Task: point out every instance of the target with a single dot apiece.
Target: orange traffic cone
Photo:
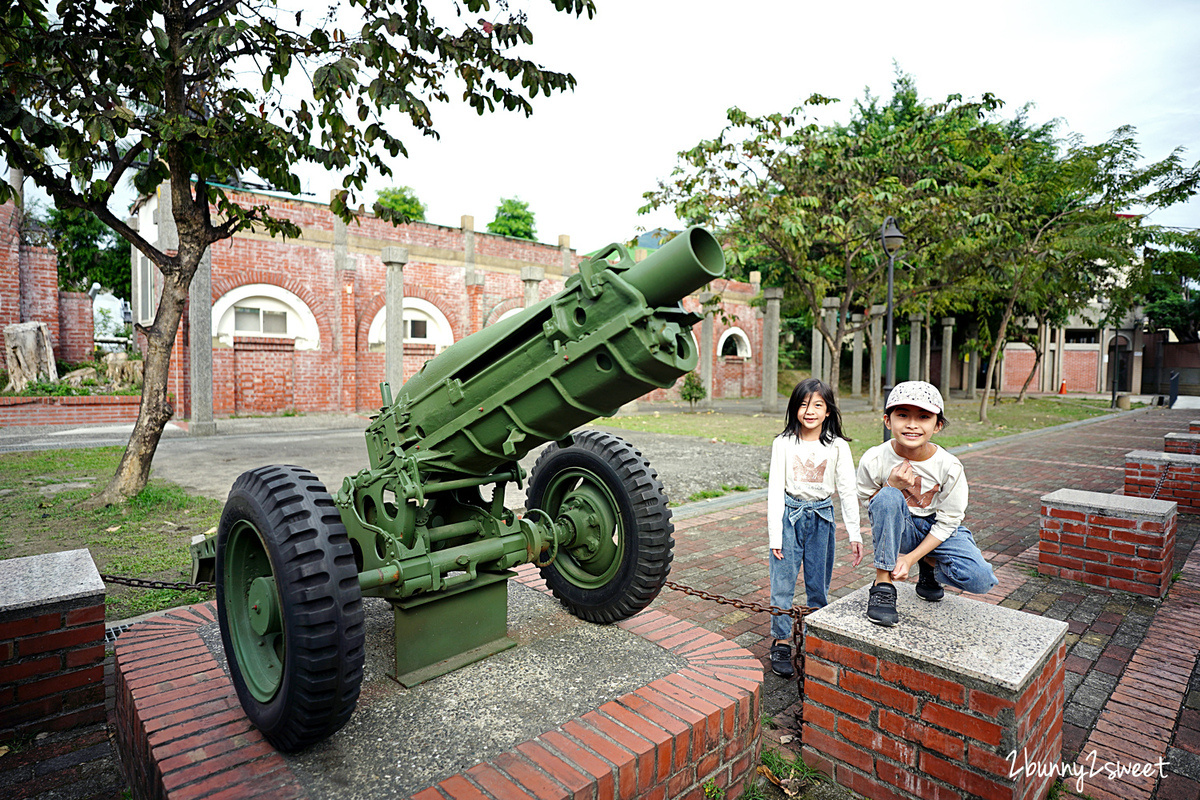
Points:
(1063, 389)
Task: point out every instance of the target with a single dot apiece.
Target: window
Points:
(250, 319)
(734, 344)
(424, 323)
(264, 310)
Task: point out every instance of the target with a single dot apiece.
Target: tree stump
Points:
(29, 354)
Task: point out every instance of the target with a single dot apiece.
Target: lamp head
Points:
(891, 236)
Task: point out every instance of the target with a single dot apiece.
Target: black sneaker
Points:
(927, 586)
(781, 660)
(881, 606)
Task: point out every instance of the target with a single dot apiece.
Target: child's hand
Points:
(902, 567)
(777, 552)
(856, 551)
(902, 476)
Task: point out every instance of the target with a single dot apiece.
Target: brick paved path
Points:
(1114, 690)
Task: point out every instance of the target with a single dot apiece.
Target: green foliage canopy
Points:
(403, 201)
(210, 94)
(88, 251)
(513, 218)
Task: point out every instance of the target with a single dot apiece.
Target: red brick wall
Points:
(52, 667)
(1126, 550)
(77, 327)
(329, 379)
(39, 288)
(891, 730)
(68, 410)
(1017, 363)
(10, 266)
(1080, 369)
(1144, 476)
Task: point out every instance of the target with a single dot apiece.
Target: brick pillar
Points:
(200, 375)
(564, 246)
(347, 331)
(770, 349)
(470, 306)
(706, 353)
(877, 365)
(947, 355)
(394, 259)
(51, 644)
(914, 346)
(532, 277)
(856, 350)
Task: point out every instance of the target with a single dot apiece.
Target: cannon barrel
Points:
(615, 332)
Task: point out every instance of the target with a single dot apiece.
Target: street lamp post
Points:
(892, 239)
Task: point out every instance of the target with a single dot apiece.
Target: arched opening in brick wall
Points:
(267, 311)
(424, 324)
(734, 343)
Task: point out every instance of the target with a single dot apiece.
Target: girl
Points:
(916, 497)
(809, 460)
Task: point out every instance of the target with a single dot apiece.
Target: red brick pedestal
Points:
(1110, 540)
(1165, 476)
(51, 644)
(183, 734)
(937, 707)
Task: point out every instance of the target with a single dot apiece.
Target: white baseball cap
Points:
(915, 393)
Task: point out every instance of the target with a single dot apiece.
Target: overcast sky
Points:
(656, 77)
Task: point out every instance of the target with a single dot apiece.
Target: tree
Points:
(513, 218)
(403, 201)
(692, 389)
(88, 252)
(1058, 218)
(804, 203)
(158, 89)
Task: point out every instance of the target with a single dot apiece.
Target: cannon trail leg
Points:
(289, 605)
(621, 553)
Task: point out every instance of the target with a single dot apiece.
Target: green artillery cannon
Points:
(292, 563)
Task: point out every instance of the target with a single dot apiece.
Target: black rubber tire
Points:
(645, 526)
(320, 602)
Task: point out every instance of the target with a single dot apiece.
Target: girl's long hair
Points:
(832, 428)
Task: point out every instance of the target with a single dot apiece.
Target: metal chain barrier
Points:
(797, 613)
(1167, 471)
(143, 583)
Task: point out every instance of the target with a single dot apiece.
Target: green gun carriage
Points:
(292, 562)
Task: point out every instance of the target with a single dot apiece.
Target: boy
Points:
(916, 497)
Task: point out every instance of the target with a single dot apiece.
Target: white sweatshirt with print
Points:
(941, 487)
(810, 471)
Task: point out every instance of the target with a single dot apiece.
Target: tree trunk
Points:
(29, 354)
(156, 408)
(1037, 359)
(995, 354)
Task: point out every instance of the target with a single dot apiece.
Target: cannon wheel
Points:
(289, 606)
(628, 562)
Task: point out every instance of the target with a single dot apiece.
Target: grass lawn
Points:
(865, 428)
(146, 538)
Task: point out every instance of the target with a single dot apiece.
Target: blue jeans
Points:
(808, 539)
(894, 530)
